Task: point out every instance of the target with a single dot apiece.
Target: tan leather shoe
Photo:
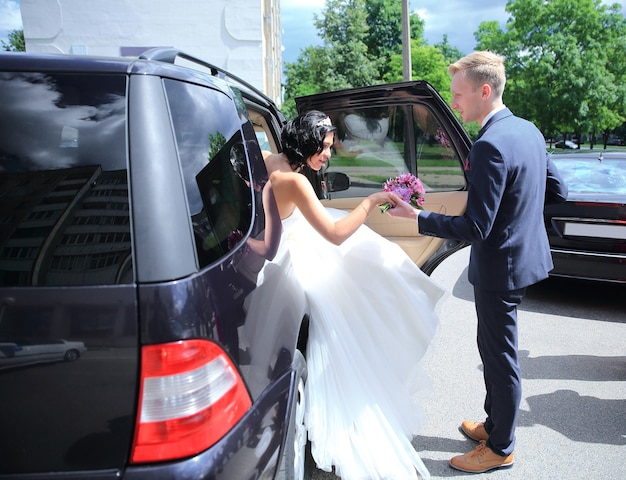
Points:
(474, 430)
(481, 459)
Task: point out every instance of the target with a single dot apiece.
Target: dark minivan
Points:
(144, 331)
(131, 195)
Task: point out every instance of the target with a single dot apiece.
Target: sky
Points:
(10, 18)
(459, 19)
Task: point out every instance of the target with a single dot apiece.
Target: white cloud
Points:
(458, 19)
(10, 18)
(298, 30)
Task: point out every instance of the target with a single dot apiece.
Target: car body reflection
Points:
(27, 352)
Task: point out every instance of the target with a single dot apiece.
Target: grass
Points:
(340, 161)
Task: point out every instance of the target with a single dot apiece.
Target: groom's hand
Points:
(401, 209)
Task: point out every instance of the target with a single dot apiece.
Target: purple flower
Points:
(407, 186)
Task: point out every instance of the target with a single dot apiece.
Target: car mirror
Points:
(336, 182)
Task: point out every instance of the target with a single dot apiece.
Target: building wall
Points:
(241, 36)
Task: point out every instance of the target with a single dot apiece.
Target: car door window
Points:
(438, 166)
(369, 147)
(375, 144)
(215, 167)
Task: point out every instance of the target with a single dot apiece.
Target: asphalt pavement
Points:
(572, 423)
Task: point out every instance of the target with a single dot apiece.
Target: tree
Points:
(16, 42)
(566, 63)
(427, 63)
(310, 74)
(450, 54)
(361, 42)
(342, 61)
(344, 29)
(384, 35)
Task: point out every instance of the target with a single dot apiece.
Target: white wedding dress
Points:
(372, 320)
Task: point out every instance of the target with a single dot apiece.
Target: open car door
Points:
(382, 132)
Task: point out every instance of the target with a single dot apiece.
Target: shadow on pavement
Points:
(579, 418)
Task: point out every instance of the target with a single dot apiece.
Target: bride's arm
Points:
(336, 232)
(268, 245)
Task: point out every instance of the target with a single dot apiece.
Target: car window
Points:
(375, 144)
(215, 167)
(437, 164)
(263, 141)
(368, 147)
(592, 175)
(64, 216)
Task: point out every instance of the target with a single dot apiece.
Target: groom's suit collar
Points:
(497, 116)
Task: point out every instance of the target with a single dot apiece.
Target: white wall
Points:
(241, 36)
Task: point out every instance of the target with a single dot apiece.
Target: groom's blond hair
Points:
(482, 67)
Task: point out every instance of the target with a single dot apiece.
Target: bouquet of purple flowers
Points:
(409, 187)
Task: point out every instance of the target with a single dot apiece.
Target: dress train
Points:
(373, 316)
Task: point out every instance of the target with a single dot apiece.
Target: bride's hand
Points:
(402, 209)
(380, 198)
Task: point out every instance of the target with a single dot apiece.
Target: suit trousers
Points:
(497, 345)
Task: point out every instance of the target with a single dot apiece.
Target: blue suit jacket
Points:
(510, 177)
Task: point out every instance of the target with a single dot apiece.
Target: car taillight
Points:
(190, 396)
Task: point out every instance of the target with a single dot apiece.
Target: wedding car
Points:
(132, 191)
(588, 232)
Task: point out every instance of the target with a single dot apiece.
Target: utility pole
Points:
(406, 42)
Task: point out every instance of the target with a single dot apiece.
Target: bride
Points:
(372, 319)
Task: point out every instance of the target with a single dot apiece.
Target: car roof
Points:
(27, 62)
(158, 61)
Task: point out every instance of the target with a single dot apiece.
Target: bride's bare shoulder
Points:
(278, 166)
(275, 161)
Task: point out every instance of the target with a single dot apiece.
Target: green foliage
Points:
(566, 59)
(344, 30)
(384, 36)
(310, 74)
(16, 42)
(216, 142)
(427, 63)
(450, 54)
(566, 63)
(361, 42)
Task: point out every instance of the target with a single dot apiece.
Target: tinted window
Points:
(369, 147)
(215, 167)
(437, 164)
(64, 216)
(374, 144)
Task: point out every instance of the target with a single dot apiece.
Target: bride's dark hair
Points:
(304, 135)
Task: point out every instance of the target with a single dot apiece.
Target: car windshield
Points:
(593, 174)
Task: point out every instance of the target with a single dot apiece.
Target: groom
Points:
(510, 176)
